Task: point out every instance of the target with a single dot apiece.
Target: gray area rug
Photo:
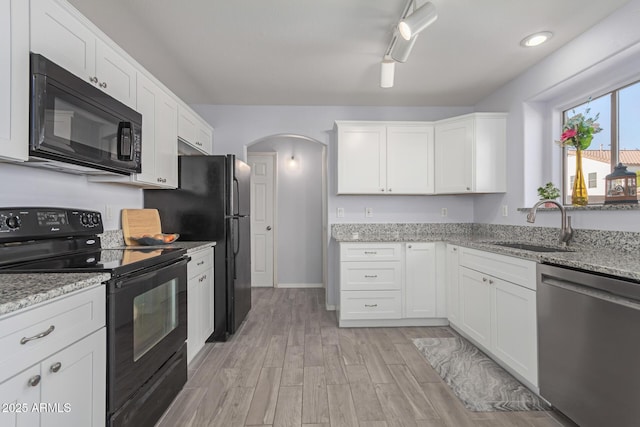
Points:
(480, 383)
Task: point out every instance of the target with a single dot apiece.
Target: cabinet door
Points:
(116, 75)
(20, 396)
(475, 305)
(187, 125)
(75, 380)
(147, 101)
(410, 161)
(513, 328)
(420, 280)
(454, 156)
(14, 79)
(62, 38)
(193, 315)
(362, 159)
(206, 301)
(167, 141)
(452, 279)
(205, 139)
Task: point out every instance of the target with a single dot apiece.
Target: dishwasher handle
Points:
(593, 293)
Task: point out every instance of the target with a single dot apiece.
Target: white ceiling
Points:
(328, 52)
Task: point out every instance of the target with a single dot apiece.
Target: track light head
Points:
(420, 19)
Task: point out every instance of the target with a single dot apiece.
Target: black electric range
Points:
(55, 240)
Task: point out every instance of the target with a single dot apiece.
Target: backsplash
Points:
(626, 241)
(111, 239)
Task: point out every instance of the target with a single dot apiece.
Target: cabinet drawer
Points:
(355, 276)
(60, 323)
(370, 251)
(201, 261)
(515, 270)
(370, 305)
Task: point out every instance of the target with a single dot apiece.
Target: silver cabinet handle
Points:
(55, 367)
(25, 340)
(202, 278)
(371, 305)
(198, 143)
(200, 263)
(409, 246)
(163, 180)
(491, 282)
(390, 190)
(34, 381)
(93, 79)
(370, 252)
(382, 189)
(268, 228)
(103, 85)
(484, 279)
(468, 188)
(370, 276)
(455, 249)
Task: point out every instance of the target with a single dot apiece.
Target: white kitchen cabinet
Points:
(452, 284)
(54, 353)
(194, 132)
(389, 284)
(498, 309)
(470, 154)
(385, 158)
(14, 80)
(475, 305)
(200, 302)
(64, 36)
(420, 280)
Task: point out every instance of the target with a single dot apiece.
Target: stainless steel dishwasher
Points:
(589, 346)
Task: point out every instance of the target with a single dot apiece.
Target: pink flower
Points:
(567, 134)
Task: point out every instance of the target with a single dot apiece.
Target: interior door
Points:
(262, 219)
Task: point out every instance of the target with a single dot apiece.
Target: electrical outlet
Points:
(444, 212)
(108, 212)
(505, 210)
(368, 212)
(340, 213)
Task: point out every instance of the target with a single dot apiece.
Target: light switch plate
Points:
(444, 212)
(368, 212)
(340, 213)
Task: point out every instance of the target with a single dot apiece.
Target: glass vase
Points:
(579, 195)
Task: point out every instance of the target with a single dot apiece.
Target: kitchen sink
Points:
(533, 248)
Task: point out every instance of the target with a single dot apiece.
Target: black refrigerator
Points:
(212, 202)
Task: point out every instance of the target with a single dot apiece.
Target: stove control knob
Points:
(95, 219)
(84, 219)
(13, 222)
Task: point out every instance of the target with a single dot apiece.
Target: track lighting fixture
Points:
(401, 48)
(387, 71)
(420, 19)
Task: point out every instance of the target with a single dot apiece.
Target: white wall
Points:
(299, 210)
(603, 58)
(29, 186)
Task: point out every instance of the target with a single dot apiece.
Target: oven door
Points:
(74, 122)
(146, 325)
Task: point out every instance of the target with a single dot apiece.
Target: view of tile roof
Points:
(626, 157)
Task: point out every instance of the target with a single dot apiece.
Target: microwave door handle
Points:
(125, 141)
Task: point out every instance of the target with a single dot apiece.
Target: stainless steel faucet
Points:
(566, 233)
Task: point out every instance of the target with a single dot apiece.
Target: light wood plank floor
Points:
(290, 365)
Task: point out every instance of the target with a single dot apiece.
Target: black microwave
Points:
(75, 127)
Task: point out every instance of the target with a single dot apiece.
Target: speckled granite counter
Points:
(608, 252)
(23, 290)
(113, 239)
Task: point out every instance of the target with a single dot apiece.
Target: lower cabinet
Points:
(67, 384)
(390, 284)
(452, 282)
(497, 308)
(199, 301)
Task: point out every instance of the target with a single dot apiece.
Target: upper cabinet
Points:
(195, 133)
(471, 154)
(385, 158)
(14, 80)
(65, 39)
(465, 154)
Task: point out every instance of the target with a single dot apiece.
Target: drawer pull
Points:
(55, 367)
(484, 279)
(202, 278)
(34, 381)
(25, 340)
(368, 276)
(491, 282)
(371, 305)
(370, 252)
(200, 263)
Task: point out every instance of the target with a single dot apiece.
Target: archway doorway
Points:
(300, 214)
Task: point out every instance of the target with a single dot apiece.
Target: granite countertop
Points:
(18, 291)
(191, 247)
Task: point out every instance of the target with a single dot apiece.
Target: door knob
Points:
(268, 228)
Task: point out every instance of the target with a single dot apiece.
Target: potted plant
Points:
(548, 192)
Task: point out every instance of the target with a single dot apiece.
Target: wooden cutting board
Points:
(138, 222)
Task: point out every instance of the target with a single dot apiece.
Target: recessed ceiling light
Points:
(536, 39)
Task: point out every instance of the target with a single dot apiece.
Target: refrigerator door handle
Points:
(236, 201)
(236, 245)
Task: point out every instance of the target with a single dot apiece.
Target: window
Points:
(618, 142)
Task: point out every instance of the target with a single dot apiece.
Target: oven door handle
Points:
(118, 282)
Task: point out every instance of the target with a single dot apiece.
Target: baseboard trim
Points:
(299, 285)
(330, 307)
(375, 323)
(261, 286)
